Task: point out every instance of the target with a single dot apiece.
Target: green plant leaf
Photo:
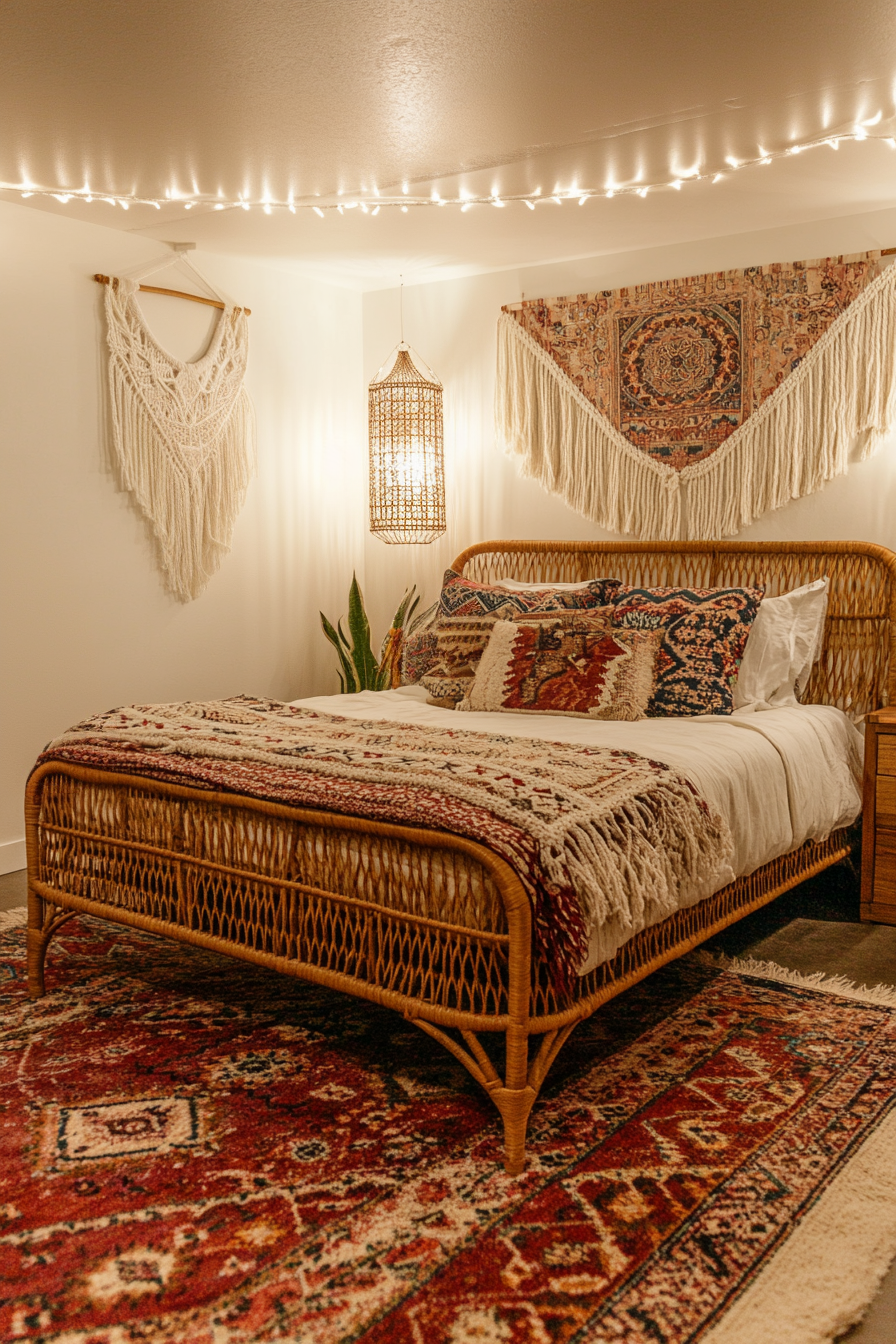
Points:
(347, 679)
(359, 628)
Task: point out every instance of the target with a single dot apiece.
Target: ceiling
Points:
(320, 102)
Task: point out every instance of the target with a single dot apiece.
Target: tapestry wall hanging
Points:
(183, 432)
(749, 388)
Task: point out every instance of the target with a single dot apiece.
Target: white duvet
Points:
(778, 777)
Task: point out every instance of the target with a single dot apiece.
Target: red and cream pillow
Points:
(465, 600)
(580, 665)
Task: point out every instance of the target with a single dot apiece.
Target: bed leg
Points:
(44, 921)
(36, 945)
(514, 1105)
(515, 1099)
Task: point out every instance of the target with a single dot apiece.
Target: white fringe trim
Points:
(884, 995)
(184, 437)
(802, 436)
(565, 444)
(14, 918)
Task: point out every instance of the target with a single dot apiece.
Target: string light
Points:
(465, 200)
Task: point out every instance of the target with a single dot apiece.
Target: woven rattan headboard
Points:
(857, 668)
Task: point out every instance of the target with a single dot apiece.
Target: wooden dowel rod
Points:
(517, 307)
(176, 294)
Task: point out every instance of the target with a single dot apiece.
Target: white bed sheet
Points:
(777, 778)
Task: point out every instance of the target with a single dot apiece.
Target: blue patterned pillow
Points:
(466, 597)
(704, 635)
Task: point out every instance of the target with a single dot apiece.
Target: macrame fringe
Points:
(565, 444)
(802, 436)
(805, 433)
(184, 436)
(883, 996)
(193, 511)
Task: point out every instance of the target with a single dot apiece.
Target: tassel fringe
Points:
(802, 436)
(184, 437)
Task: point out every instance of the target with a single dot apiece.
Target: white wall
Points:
(85, 620)
(453, 324)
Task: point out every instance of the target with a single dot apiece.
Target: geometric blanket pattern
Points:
(196, 1151)
(746, 387)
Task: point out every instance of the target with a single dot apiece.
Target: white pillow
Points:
(783, 646)
(515, 586)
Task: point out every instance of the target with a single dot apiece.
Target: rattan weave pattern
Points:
(433, 925)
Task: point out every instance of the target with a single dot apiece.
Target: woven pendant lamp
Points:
(407, 468)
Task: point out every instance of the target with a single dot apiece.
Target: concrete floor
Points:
(815, 927)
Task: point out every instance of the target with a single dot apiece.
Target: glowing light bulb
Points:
(188, 205)
(124, 205)
(718, 177)
(404, 209)
(404, 188)
(526, 203)
(676, 184)
(767, 159)
(26, 194)
(266, 208)
(642, 191)
(496, 200)
(732, 163)
(376, 209)
(291, 208)
(219, 206)
(834, 144)
(317, 210)
(583, 199)
(859, 133)
(892, 144)
(467, 204)
(340, 209)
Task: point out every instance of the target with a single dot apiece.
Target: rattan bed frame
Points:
(430, 924)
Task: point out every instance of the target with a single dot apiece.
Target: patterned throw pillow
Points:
(466, 606)
(583, 667)
(465, 597)
(704, 635)
(446, 689)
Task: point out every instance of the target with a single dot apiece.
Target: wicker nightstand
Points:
(879, 818)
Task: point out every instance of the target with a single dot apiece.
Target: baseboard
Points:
(12, 856)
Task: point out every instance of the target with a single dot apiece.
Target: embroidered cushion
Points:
(479, 604)
(704, 635)
(445, 688)
(466, 597)
(582, 666)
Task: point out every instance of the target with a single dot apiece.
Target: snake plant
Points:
(359, 669)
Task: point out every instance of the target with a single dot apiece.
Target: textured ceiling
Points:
(282, 99)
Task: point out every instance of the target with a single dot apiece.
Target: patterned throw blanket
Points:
(596, 835)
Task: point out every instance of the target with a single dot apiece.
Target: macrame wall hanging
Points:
(747, 388)
(183, 433)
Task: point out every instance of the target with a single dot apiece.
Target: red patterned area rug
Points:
(199, 1152)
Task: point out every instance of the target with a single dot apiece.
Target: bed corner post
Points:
(515, 1099)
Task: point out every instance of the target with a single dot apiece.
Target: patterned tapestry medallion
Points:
(675, 370)
(678, 365)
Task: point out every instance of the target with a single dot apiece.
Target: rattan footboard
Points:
(431, 924)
